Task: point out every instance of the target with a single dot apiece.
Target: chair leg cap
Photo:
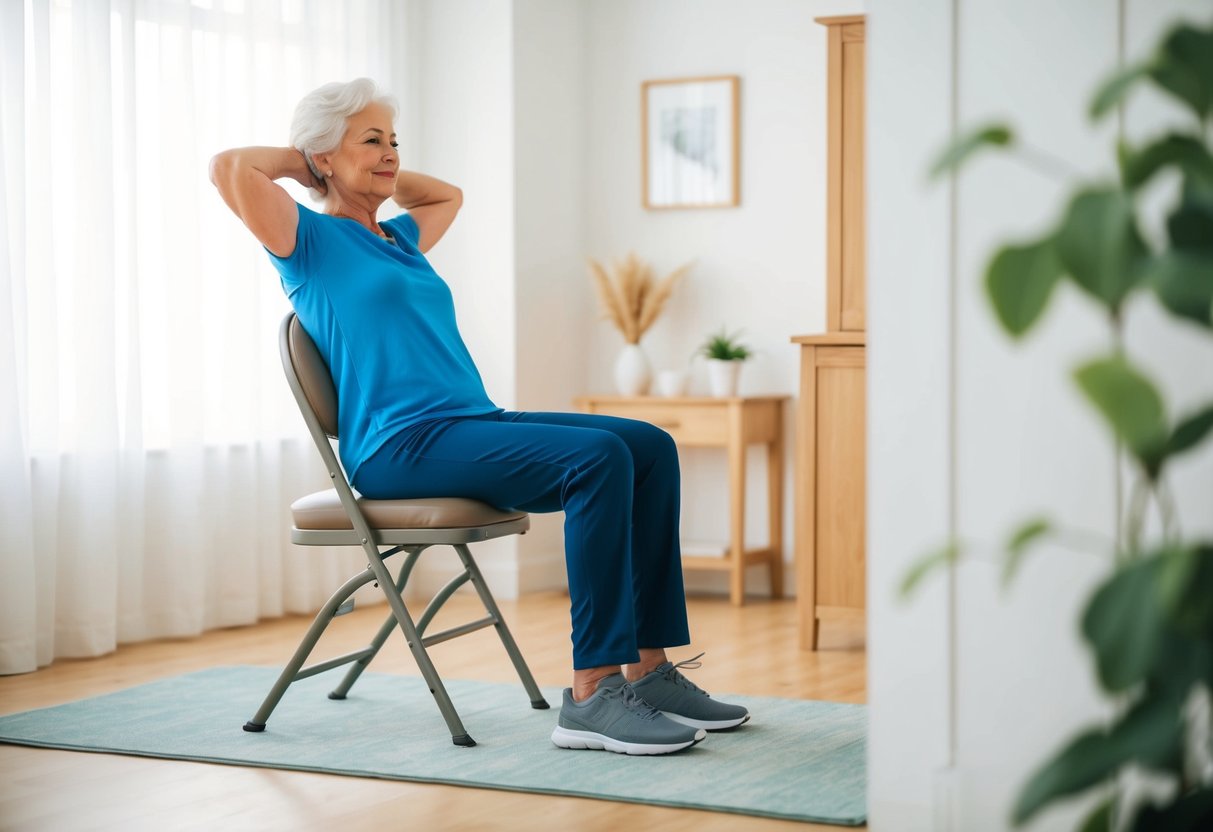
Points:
(540, 704)
(336, 695)
(463, 741)
(254, 728)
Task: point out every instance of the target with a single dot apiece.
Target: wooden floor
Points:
(751, 650)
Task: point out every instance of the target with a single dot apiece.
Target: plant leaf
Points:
(1190, 812)
(959, 151)
(1100, 819)
(1019, 282)
(1190, 225)
(927, 564)
(1079, 765)
(1184, 68)
(1197, 189)
(1130, 404)
(1186, 575)
(1124, 624)
(1149, 733)
(1100, 247)
(724, 346)
(1183, 281)
(1022, 540)
(1190, 431)
(1115, 88)
(1188, 153)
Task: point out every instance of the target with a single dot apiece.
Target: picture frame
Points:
(691, 142)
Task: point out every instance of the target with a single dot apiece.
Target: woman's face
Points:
(365, 163)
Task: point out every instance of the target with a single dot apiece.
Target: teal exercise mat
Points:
(795, 759)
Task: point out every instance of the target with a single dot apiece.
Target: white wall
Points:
(465, 135)
(501, 112)
(552, 305)
(909, 423)
(970, 433)
(533, 108)
(760, 267)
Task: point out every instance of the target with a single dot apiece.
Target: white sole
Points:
(706, 724)
(570, 738)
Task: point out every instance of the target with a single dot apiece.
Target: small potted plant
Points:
(725, 355)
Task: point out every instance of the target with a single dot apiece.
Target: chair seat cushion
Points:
(323, 510)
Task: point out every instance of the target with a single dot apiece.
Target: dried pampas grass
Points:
(630, 298)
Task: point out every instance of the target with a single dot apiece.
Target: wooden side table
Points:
(730, 423)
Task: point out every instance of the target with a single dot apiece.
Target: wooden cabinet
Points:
(830, 481)
(846, 267)
(831, 416)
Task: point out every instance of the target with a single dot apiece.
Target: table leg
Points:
(737, 507)
(775, 507)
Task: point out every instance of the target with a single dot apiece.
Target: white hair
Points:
(320, 117)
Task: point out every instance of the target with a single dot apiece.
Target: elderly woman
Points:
(415, 421)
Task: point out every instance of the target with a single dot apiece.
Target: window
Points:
(144, 314)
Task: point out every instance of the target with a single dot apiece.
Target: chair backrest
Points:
(312, 385)
(308, 374)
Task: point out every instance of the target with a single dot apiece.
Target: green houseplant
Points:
(725, 355)
(1149, 623)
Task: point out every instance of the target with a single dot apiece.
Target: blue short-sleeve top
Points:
(384, 321)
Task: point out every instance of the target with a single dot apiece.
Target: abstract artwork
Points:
(691, 151)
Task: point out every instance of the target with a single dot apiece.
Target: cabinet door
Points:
(840, 425)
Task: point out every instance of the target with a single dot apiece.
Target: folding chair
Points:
(337, 518)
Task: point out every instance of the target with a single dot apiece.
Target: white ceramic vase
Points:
(723, 377)
(632, 371)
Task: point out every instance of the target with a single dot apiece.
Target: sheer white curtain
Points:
(148, 443)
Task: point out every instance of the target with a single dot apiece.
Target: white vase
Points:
(632, 371)
(723, 376)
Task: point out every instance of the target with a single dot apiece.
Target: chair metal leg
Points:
(507, 639)
(291, 673)
(359, 660)
(385, 630)
(342, 690)
(459, 735)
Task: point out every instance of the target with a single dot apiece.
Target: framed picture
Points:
(691, 142)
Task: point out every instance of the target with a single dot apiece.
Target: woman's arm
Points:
(245, 179)
(431, 203)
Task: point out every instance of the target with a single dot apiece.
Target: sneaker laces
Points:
(632, 701)
(677, 678)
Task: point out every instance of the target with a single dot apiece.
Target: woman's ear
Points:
(321, 161)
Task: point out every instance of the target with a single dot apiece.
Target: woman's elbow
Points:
(215, 168)
(220, 167)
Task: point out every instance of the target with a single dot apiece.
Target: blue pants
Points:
(617, 481)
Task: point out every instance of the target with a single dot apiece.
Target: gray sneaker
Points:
(678, 698)
(615, 719)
